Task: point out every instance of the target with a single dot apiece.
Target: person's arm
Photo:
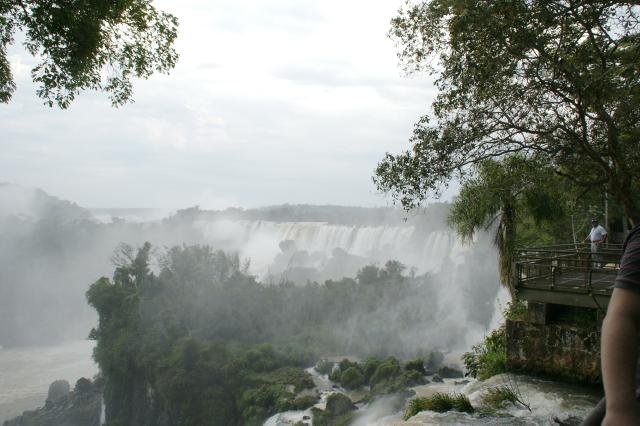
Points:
(619, 358)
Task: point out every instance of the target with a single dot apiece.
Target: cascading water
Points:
(464, 275)
(259, 240)
(103, 416)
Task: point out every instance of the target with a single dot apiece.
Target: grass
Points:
(439, 402)
(496, 397)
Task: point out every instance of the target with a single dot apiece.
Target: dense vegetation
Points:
(338, 215)
(552, 81)
(202, 336)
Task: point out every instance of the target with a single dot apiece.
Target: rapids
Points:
(548, 400)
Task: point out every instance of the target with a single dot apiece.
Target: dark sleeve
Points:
(629, 274)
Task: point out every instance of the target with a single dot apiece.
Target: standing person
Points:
(619, 346)
(597, 237)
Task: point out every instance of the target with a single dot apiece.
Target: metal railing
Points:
(569, 268)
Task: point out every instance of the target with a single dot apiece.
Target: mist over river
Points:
(52, 250)
(27, 372)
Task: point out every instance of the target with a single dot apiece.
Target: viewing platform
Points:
(568, 274)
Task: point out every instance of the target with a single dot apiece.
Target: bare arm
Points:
(619, 357)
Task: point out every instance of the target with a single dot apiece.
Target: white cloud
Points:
(272, 101)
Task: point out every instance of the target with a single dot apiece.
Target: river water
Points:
(26, 373)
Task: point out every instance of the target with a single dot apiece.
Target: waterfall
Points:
(258, 240)
(103, 419)
(463, 275)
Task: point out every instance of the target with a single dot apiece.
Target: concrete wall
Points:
(562, 351)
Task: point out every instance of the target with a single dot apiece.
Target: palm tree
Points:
(498, 196)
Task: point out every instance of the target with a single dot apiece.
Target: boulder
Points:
(58, 390)
(450, 373)
(83, 386)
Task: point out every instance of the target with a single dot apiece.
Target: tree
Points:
(502, 194)
(554, 79)
(87, 44)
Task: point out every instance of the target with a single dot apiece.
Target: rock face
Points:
(82, 407)
(58, 390)
(568, 352)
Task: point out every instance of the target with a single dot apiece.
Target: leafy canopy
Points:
(551, 79)
(87, 44)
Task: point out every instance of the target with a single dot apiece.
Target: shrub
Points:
(264, 401)
(352, 378)
(297, 377)
(415, 365)
(413, 378)
(389, 369)
(489, 357)
(345, 364)
(324, 367)
(304, 402)
(370, 367)
(338, 404)
(516, 310)
(439, 402)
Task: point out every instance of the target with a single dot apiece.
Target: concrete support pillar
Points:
(537, 313)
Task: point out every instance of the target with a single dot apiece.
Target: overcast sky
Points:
(272, 101)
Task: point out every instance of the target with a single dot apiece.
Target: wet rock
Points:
(82, 407)
(415, 365)
(461, 382)
(306, 417)
(434, 361)
(83, 386)
(58, 390)
(437, 379)
(450, 373)
(568, 421)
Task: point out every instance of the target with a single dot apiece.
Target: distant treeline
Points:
(434, 215)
